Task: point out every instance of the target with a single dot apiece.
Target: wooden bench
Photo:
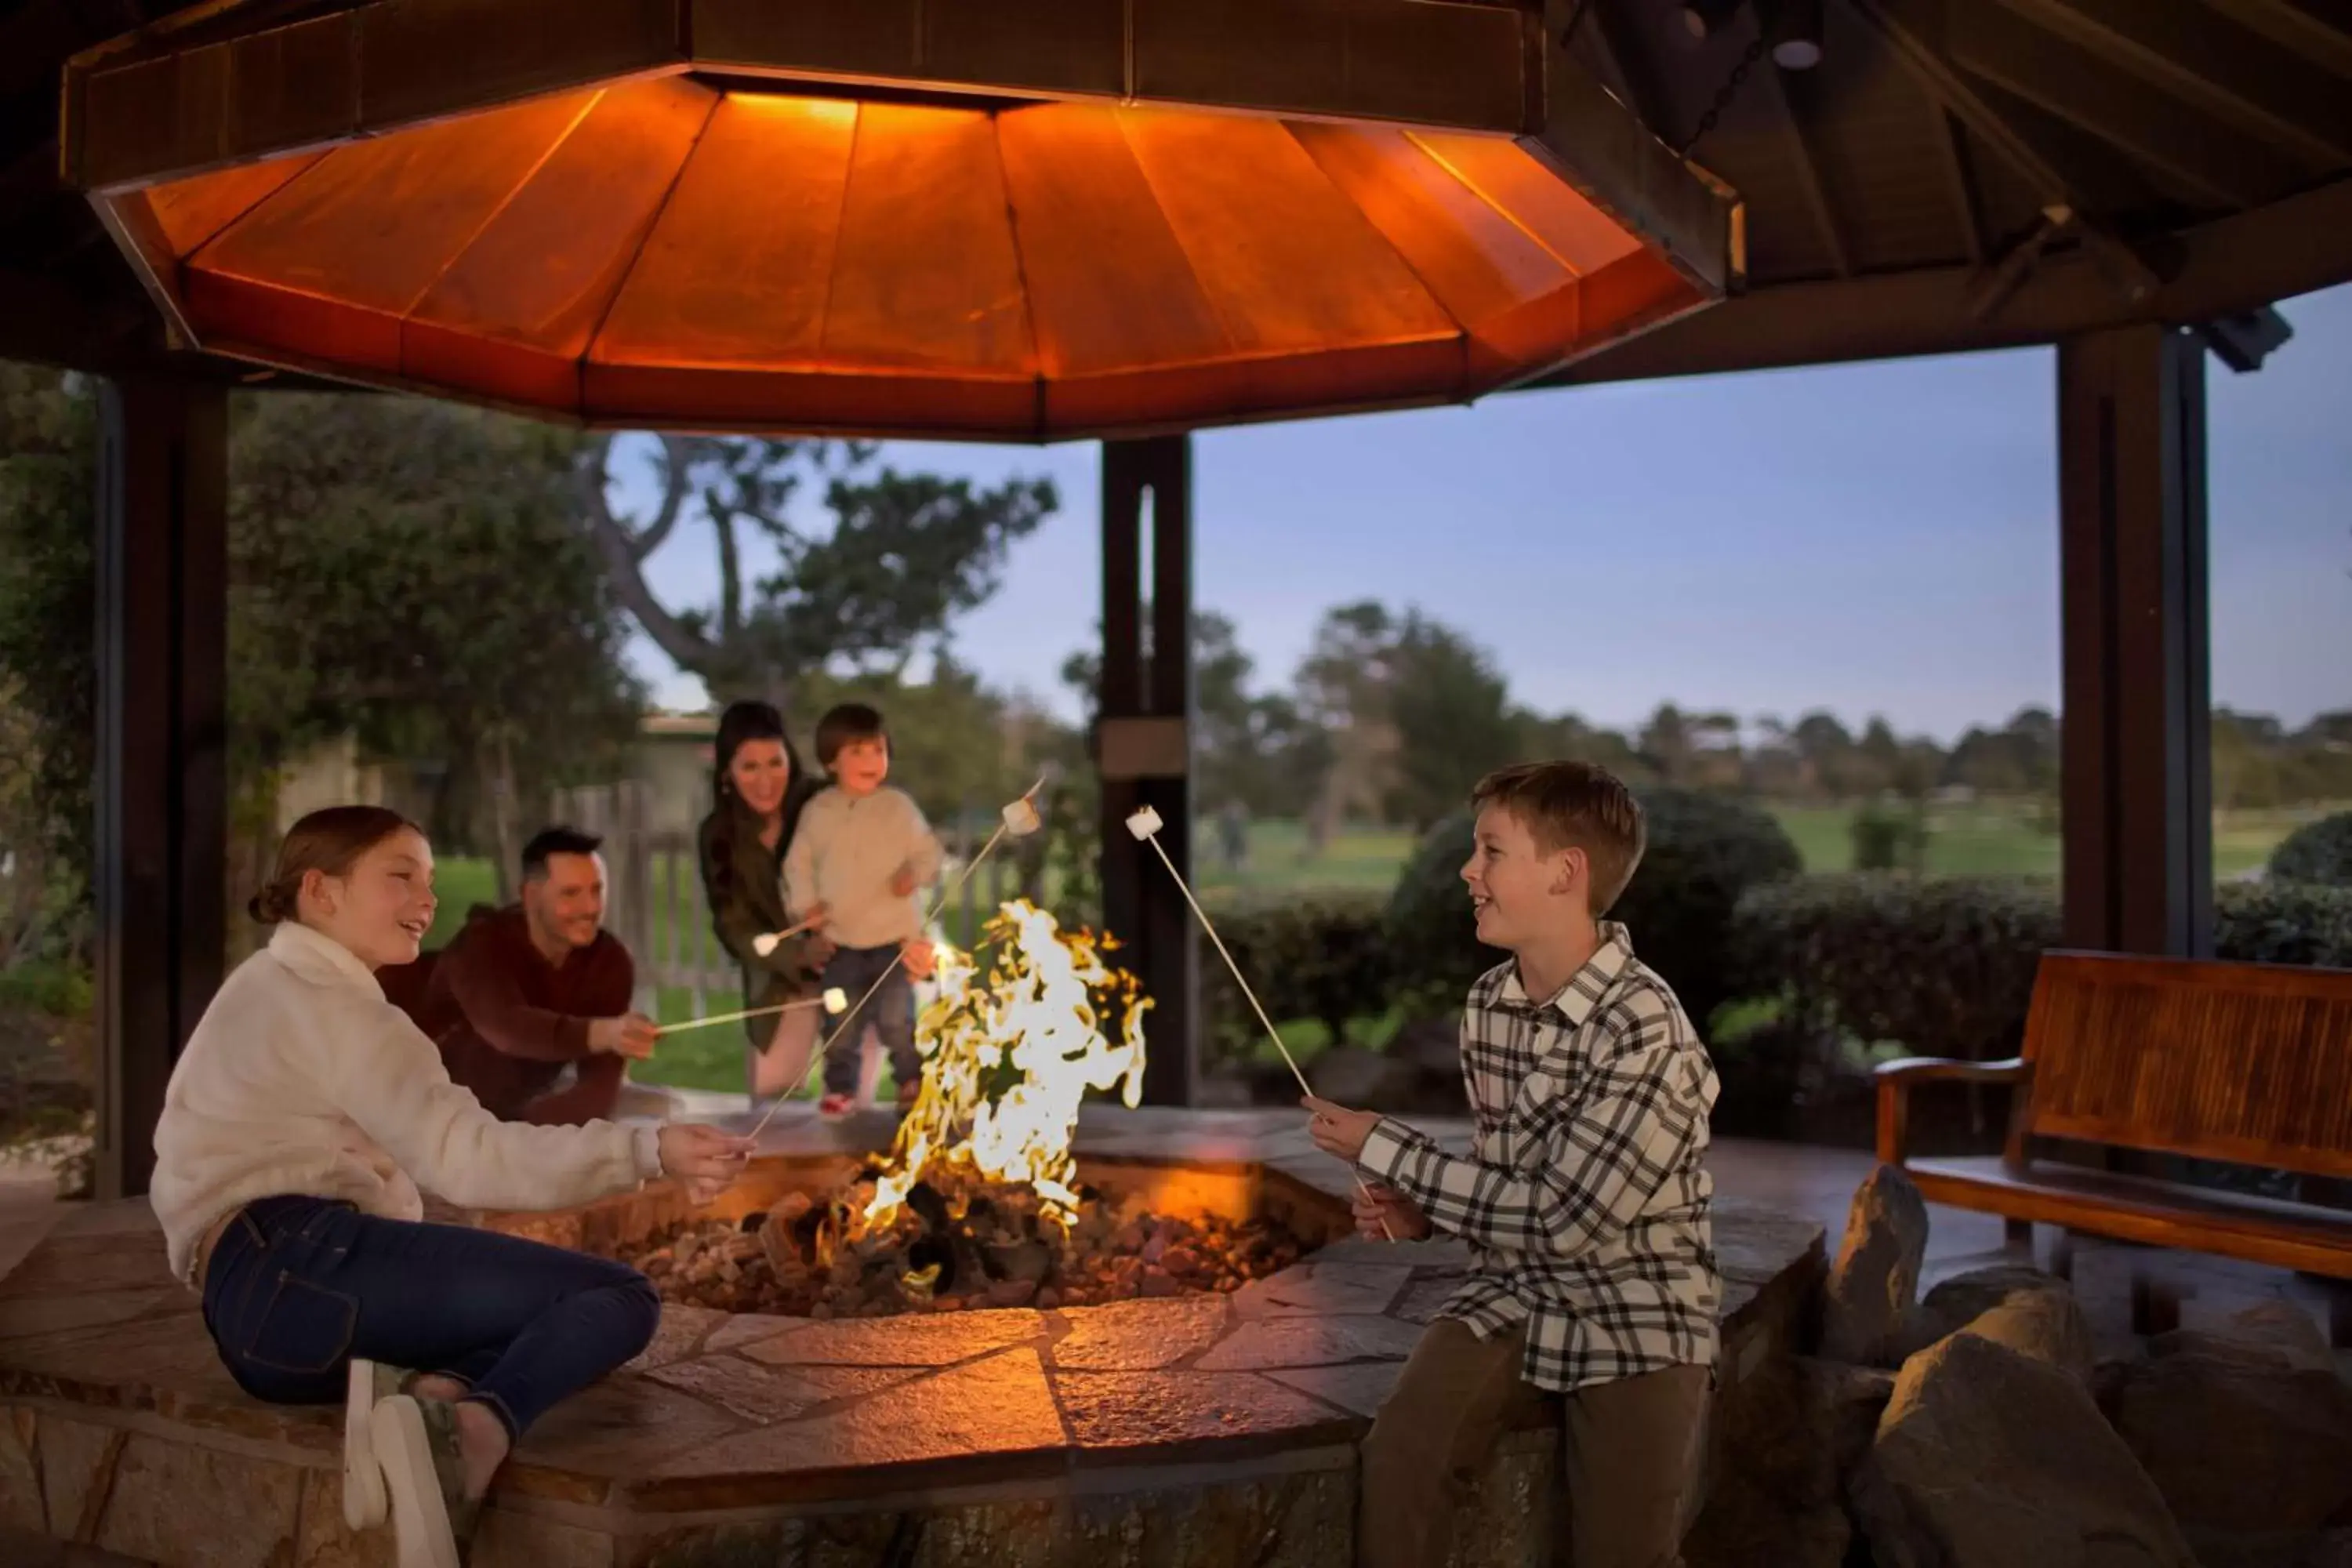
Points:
(2249, 1064)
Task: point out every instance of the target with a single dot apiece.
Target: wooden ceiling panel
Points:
(926, 273)
(739, 267)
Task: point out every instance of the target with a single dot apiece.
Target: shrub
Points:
(1426, 926)
(1943, 964)
(2318, 852)
(1886, 839)
(1946, 965)
(1705, 851)
(2283, 923)
(1320, 956)
(42, 985)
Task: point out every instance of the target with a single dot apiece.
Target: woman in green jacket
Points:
(759, 787)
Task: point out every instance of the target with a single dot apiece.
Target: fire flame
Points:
(1008, 1058)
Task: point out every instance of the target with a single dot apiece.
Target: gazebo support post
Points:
(2136, 755)
(161, 785)
(1143, 740)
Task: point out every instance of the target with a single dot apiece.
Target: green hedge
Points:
(1704, 851)
(2318, 851)
(1321, 956)
(2283, 923)
(1945, 965)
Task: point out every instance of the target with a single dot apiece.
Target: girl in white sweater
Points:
(295, 1116)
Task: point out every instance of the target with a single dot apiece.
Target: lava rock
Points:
(1031, 1261)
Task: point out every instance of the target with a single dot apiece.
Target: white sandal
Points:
(411, 1482)
(365, 1503)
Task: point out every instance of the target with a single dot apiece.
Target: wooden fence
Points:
(653, 900)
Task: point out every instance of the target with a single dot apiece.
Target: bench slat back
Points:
(2249, 1063)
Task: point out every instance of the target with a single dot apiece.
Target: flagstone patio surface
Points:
(1191, 1430)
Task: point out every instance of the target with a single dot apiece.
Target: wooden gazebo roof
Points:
(1953, 175)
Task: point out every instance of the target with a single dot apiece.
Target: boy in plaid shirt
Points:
(1584, 1200)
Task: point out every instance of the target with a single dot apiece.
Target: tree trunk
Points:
(502, 806)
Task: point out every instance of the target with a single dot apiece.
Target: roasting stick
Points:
(1146, 825)
(834, 1000)
(1020, 820)
(767, 941)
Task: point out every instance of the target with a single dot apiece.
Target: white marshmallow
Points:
(836, 1000)
(1021, 818)
(766, 943)
(1144, 823)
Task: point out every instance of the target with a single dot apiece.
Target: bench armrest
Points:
(1895, 1078)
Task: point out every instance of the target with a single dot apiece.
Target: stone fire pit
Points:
(1203, 1429)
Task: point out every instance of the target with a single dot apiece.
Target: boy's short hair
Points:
(1571, 805)
(845, 722)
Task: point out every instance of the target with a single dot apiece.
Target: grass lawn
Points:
(1990, 838)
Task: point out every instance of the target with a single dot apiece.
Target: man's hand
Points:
(903, 883)
(705, 1159)
(1384, 1214)
(919, 957)
(1338, 1131)
(631, 1035)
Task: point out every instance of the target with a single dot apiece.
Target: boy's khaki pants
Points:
(1631, 1449)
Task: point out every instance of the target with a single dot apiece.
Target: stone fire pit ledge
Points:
(117, 1425)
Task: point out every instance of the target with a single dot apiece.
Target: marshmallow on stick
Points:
(767, 941)
(1145, 824)
(835, 1001)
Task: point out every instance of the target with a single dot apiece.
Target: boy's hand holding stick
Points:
(1145, 826)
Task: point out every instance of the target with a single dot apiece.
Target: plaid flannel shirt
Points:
(1585, 1196)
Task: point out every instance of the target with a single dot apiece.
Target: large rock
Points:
(2047, 1325)
(1872, 1284)
(1990, 1459)
(2273, 1549)
(1787, 1445)
(2244, 1428)
(1960, 1300)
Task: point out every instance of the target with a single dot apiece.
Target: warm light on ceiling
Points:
(1114, 220)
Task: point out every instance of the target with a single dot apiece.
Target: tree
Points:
(416, 571)
(905, 553)
(1343, 688)
(1569, 736)
(1451, 714)
(48, 674)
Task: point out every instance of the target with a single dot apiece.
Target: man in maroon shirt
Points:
(524, 990)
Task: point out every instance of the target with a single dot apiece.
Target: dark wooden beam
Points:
(2202, 60)
(2319, 31)
(1143, 742)
(2135, 765)
(1792, 97)
(1968, 207)
(45, 322)
(1993, 43)
(1608, 37)
(162, 786)
(2243, 263)
(1911, 38)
